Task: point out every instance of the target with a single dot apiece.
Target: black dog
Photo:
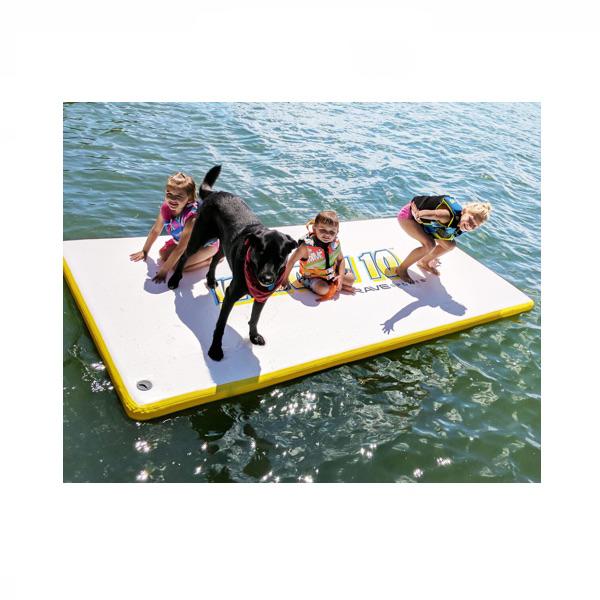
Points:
(256, 255)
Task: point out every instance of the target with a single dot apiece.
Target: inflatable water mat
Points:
(154, 341)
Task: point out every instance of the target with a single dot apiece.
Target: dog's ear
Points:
(256, 241)
(289, 244)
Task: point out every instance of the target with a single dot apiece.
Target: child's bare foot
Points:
(430, 266)
(403, 274)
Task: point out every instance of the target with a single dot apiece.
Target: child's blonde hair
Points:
(184, 182)
(481, 210)
(327, 217)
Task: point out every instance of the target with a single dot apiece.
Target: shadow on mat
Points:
(200, 314)
(429, 293)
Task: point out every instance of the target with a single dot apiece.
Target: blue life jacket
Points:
(450, 230)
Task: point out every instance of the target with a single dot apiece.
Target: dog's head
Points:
(269, 254)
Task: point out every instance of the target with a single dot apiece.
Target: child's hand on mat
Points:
(160, 276)
(137, 256)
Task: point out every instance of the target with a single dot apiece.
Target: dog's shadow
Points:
(428, 291)
(191, 278)
(303, 295)
(200, 313)
(149, 286)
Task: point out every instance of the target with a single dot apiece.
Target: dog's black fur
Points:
(228, 217)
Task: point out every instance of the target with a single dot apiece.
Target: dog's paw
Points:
(257, 339)
(211, 282)
(173, 282)
(216, 352)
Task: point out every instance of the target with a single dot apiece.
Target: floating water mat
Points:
(154, 341)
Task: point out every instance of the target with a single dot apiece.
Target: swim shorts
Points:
(405, 213)
(309, 282)
(170, 243)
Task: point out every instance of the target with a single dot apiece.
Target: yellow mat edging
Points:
(131, 406)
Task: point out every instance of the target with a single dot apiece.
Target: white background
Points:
(294, 541)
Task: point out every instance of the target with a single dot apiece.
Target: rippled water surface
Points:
(463, 408)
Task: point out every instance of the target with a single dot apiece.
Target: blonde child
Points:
(436, 221)
(177, 214)
(322, 268)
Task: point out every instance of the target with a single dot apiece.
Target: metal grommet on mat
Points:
(144, 385)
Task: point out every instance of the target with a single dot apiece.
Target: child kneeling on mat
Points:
(436, 221)
(177, 213)
(322, 267)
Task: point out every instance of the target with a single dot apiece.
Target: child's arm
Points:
(341, 271)
(336, 285)
(154, 233)
(441, 215)
(177, 252)
(300, 252)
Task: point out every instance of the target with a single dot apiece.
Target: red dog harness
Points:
(259, 292)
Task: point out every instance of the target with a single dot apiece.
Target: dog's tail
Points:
(209, 181)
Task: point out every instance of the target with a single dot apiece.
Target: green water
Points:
(463, 408)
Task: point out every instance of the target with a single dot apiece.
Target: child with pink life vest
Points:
(322, 267)
(177, 214)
